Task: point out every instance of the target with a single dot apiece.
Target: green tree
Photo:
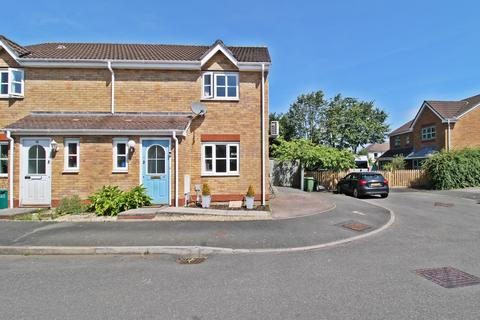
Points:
(312, 155)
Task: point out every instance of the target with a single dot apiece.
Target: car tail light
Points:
(362, 182)
(385, 181)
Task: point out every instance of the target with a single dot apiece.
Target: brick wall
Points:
(144, 90)
(427, 119)
(466, 132)
(403, 141)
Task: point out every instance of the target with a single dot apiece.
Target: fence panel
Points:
(397, 178)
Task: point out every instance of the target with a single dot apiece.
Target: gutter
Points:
(174, 136)
(109, 65)
(263, 135)
(10, 168)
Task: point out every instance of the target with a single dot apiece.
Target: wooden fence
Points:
(397, 178)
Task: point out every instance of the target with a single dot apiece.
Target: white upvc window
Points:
(220, 158)
(220, 86)
(71, 155)
(428, 133)
(407, 139)
(396, 141)
(11, 83)
(3, 159)
(120, 155)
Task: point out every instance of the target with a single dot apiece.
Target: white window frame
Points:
(8, 164)
(397, 141)
(407, 139)
(429, 133)
(214, 158)
(117, 141)
(10, 93)
(66, 154)
(213, 83)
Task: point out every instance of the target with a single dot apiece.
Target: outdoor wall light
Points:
(131, 145)
(54, 146)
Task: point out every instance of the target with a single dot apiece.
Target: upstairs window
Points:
(396, 141)
(220, 86)
(407, 139)
(3, 159)
(72, 155)
(120, 155)
(11, 83)
(428, 133)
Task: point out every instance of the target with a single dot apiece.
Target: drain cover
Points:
(356, 226)
(191, 260)
(448, 277)
(443, 204)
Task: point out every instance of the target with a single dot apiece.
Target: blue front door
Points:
(156, 169)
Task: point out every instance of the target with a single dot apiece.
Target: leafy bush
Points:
(313, 156)
(398, 163)
(454, 169)
(250, 191)
(72, 205)
(110, 200)
(206, 190)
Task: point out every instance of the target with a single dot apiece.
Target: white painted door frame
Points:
(35, 183)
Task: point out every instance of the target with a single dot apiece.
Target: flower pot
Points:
(206, 201)
(249, 202)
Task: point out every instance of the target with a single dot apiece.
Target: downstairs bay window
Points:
(11, 83)
(220, 159)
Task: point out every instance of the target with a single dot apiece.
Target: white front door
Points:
(35, 172)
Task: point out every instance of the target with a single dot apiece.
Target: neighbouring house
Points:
(438, 125)
(375, 150)
(77, 116)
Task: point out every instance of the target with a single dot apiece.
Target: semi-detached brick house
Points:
(77, 116)
(438, 125)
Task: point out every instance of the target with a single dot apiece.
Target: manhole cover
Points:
(443, 204)
(191, 260)
(448, 277)
(356, 226)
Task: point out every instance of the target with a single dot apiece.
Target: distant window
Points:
(72, 155)
(428, 133)
(407, 139)
(396, 141)
(221, 86)
(120, 155)
(3, 159)
(11, 83)
(417, 164)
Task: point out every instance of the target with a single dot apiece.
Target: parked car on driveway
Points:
(361, 184)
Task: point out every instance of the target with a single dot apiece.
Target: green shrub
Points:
(397, 163)
(72, 205)
(454, 169)
(110, 200)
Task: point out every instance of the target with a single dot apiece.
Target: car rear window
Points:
(370, 177)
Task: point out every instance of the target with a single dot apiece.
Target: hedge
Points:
(454, 169)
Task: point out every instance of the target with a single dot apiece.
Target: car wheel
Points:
(339, 189)
(355, 193)
(384, 195)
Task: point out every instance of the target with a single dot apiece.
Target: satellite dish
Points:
(199, 108)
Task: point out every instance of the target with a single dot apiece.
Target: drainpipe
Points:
(174, 136)
(10, 167)
(109, 65)
(449, 136)
(263, 134)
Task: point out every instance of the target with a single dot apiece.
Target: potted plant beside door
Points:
(206, 196)
(250, 197)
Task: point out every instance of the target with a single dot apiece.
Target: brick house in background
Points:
(438, 125)
(77, 116)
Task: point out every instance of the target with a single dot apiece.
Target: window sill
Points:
(3, 175)
(71, 171)
(119, 171)
(220, 99)
(220, 174)
(11, 97)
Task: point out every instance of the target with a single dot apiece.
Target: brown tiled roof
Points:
(451, 109)
(402, 129)
(95, 121)
(378, 147)
(19, 50)
(396, 153)
(131, 52)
